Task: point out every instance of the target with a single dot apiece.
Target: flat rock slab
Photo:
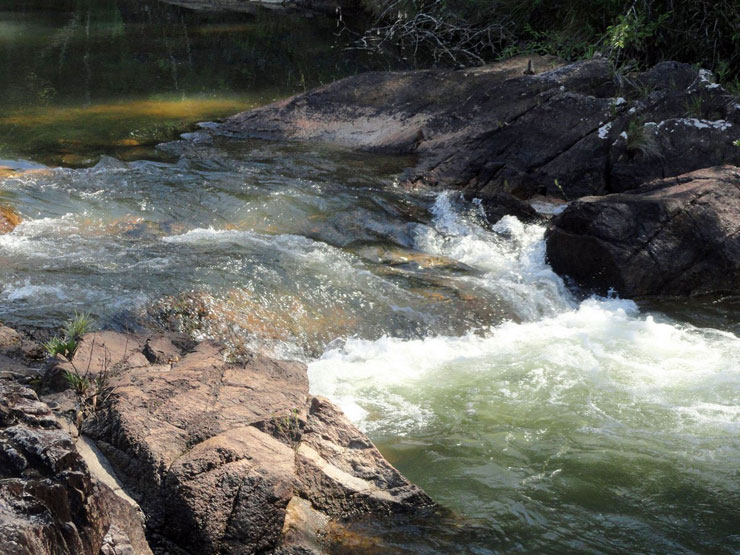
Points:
(677, 236)
(569, 131)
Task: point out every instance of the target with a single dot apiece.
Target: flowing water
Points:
(545, 421)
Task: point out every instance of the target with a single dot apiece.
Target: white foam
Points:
(510, 257)
(605, 346)
(36, 238)
(28, 291)
(293, 244)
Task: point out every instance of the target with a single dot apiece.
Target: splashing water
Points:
(550, 424)
(583, 428)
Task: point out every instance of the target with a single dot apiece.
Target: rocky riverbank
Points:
(153, 443)
(505, 135)
(203, 456)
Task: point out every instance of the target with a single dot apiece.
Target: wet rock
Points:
(496, 205)
(567, 131)
(49, 502)
(244, 322)
(303, 527)
(342, 472)
(676, 236)
(9, 220)
(215, 453)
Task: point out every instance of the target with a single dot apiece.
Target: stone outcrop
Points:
(214, 457)
(227, 458)
(676, 236)
(49, 502)
(571, 130)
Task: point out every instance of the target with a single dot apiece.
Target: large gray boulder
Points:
(675, 236)
(569, 130)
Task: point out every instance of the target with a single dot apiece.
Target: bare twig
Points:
(431, 30)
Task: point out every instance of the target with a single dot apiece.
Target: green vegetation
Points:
(90, 387)
(695, 106)
(641, 140)
(72, 333)
(632, 33)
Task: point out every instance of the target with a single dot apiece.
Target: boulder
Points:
(49, 502)
(675, 236)
(226, 457)
(567, 131)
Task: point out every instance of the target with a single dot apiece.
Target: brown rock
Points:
(215, 453)
(49, 503)
(161, 350)
(677, 236)
(342, 472)
(8, 220)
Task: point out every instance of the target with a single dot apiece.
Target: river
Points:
(545, 420)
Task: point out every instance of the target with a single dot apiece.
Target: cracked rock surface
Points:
(49, 502)
(217, 453)
(676, 236)
(570, 130)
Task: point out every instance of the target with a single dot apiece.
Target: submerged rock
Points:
(567, 131)
(676, 236)
(222, 456)
(496, 205)
(9, 220)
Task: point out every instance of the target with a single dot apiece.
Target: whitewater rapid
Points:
(557, 422)
(582, 425)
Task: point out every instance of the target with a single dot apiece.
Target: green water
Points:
(90, 77)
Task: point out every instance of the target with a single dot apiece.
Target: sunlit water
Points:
(544, 421)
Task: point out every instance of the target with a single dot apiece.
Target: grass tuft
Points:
(641, 140)
(73, 330)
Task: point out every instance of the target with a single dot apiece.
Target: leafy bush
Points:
(57, 346)
(90, 387)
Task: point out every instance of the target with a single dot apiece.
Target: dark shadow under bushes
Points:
(631, 32)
